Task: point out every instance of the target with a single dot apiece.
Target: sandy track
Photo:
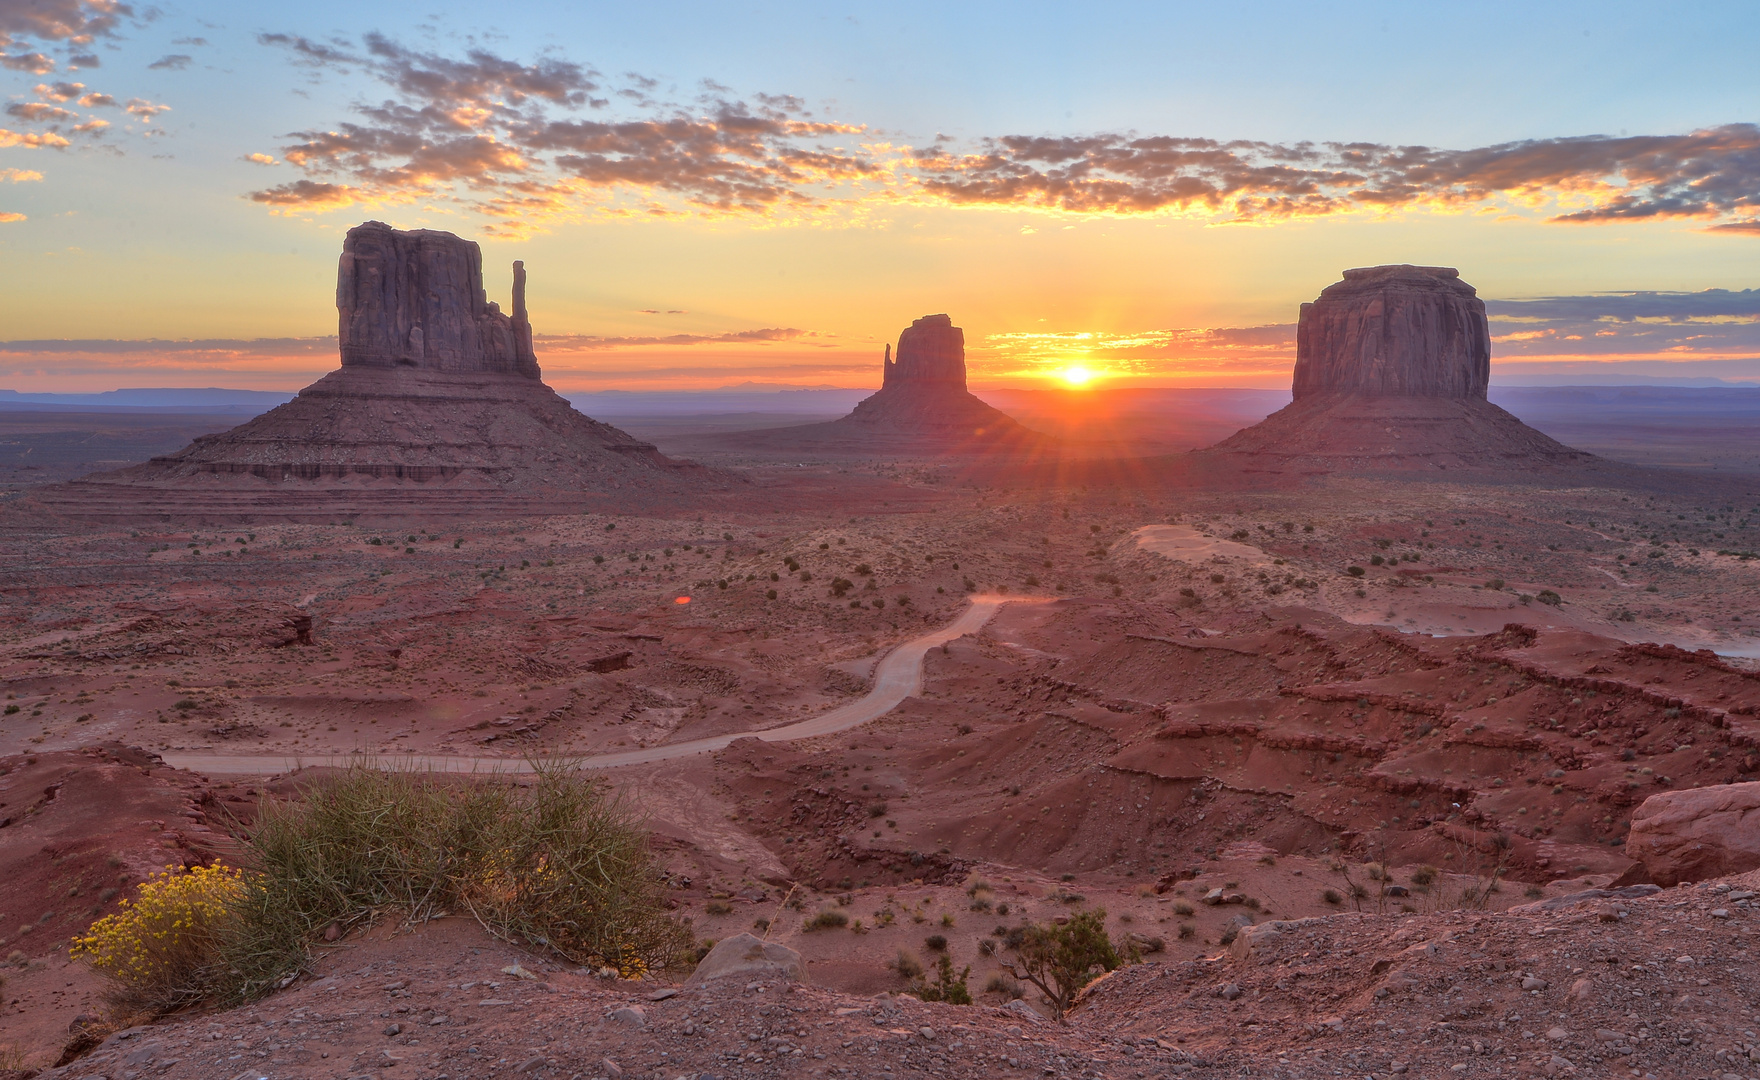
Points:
(899, 675)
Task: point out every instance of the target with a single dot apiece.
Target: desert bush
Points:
(1331, 897)
(906, 965)
(1425, 875)
(829, 919)
(562, 865)
(1007, 987)
(718, 907)
(935, 943)
(164, 949)
(1060, 960)
(1186, 930)
(947, 986)
(1183, 909)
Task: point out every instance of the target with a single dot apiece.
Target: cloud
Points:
(1712, 174)
(36, 112)
(144, 109)
(77, 22)
(98, 101)
(527, 143)
(587, 342)
(173, 62)
(517, 141)
(35, 63)
(31, 139)
(19, 176)
(260, 159)
(308, 195)
(61, 91)
(7, 217)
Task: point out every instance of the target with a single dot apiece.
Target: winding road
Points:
(899, 675)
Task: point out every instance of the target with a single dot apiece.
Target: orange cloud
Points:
(7, 217)
(30, 139)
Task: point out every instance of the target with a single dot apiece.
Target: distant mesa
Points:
(439, 407)
(922, 406)
(1392, 368)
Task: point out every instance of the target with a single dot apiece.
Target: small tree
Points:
(1060, 960)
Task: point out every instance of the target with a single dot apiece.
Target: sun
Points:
(1076, 375)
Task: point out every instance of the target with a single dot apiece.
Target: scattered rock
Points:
(745, 954)
(1697, 833)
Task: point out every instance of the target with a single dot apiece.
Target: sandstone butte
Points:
(1392, 368)
(438, 407)
(922, 407)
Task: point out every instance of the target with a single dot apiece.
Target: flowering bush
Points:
(159, 951)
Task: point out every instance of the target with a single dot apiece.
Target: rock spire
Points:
(437, 409)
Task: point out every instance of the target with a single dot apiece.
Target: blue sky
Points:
(145, 229)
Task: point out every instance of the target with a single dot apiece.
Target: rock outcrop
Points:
(1395, 331)
(1392, 368)
(931, 354)
(922, 407)
(416, 299)
(1698, 833)
(438, 408)
(750, 957)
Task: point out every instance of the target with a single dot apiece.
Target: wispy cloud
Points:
(173, 62)
(524, 141)
(1711, 175)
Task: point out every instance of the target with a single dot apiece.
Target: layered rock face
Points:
(1392, 368)
(923, 390)
(416, 299)
(931, 353)
(1698, 833)
(438, 408)
(1402, 331)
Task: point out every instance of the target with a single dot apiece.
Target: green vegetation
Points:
(561, 865)
(1060, 960)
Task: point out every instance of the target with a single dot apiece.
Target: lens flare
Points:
(1076, 375)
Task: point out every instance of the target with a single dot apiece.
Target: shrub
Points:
(1331, 897)
(1186, 930)
(1425, 875)
(562, 865)
(1007, 987)
(877, 810)
(1355, 571)
(718, 907)
(947, 986)
(906, 965)
(1183, 909)
(935, 943)
(829, 919)
(1547, 596)
(164, 950)
(1060, 960)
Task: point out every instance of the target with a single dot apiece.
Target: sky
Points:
(721, 194)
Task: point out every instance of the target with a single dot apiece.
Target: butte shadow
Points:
(922, 409)
(438, 409)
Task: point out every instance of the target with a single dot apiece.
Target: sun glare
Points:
(1076, 375)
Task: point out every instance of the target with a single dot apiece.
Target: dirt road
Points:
(899, 675)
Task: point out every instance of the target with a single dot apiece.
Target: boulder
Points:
(1698, 833)
(1401, 331)
(746, 955)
